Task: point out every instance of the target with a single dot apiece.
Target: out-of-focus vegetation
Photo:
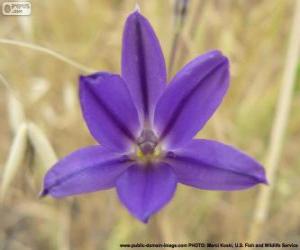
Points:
(253, 34)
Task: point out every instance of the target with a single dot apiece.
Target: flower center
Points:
(147, 142)
(148, 149)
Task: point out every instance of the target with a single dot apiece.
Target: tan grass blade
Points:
(47, 51)
(82, 6)
(279, 127)
(25, 23)
(64, 221)
(41, 146)
(39, 88)
(14, 161)
(36, 210)
(70, 99)
(16, 114)
(9, 87)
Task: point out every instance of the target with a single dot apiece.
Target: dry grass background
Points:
(44, 122)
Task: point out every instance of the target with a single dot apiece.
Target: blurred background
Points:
(41, 57)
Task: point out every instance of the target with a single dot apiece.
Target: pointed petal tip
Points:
(265, 181)
(137, 8)
(96, 75)
(261, 177)
(260, 180)
(81, 77)
(136, 12)
(215, 52)
(226, 61)
(43, 193)
(81, 80)
(91, 78)
(218, 53)
(143, 219)
(224, 65)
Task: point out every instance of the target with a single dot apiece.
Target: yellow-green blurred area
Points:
(254, 34)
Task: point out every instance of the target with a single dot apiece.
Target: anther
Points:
(147, 141)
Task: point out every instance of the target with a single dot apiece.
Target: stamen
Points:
(147, 150)
(147, 141)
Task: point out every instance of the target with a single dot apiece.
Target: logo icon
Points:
(20, 8)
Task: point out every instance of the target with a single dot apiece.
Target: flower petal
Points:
(143, 64)
(85, 170)
(212, 165)
(144, 191)
(108, 110)
(191, 98)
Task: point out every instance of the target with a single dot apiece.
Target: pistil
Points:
(147, 150)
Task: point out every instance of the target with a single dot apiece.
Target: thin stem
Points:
(47, 51)
(185, 50)
(9, 88)
(180, 11)
(279, 126)
(173, 52)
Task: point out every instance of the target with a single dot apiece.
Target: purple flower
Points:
(146, 130)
